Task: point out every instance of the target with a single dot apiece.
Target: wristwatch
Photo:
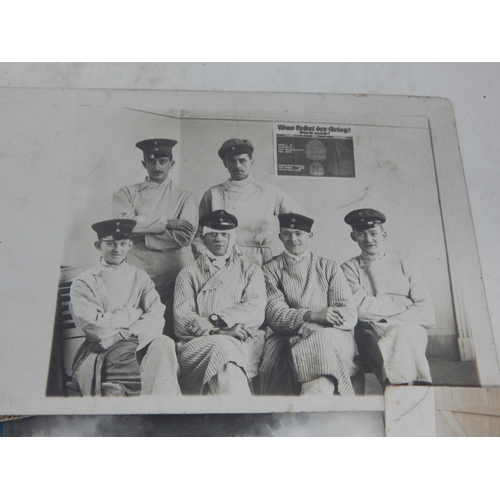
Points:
(217, 321)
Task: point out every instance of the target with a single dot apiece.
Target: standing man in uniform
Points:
(311, 312)
(220, 301)
(166, 217)
(255, 204)
(394, 306)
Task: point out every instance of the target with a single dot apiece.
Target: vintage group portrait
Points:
(241, 252)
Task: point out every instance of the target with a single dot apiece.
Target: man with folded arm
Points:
(394, 306)
(116, 307)
(219, 305)
(312, 314)
(166, 216)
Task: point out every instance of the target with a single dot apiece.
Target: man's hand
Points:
(307, 329)
(103, 345)
(238, 331)
(134, 313)
(200, 326)
(328, 316)
(179, 225)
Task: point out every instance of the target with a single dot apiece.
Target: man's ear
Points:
(172, 163)
(144, 164)
(97, 244)
(311, 235)
(280, 236)
(353, 238)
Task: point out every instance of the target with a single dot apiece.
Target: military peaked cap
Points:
(234, 147)
(295, 221)
(219, 219)
(157, 148)
(364, 218)
(116, 229)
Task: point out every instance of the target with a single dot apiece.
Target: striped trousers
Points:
(289, 361)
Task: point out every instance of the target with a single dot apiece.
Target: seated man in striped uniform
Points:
(219, 305)
(394, 306)
(312, 314)
(116, 307)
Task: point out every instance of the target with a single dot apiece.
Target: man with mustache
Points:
(166, 217)
(255, 204)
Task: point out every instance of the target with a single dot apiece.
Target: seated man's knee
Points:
(163, 343)
(162, 346)
(220, 343)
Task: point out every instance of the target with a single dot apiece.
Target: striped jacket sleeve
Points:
(251, 310)
(339, 295)
(185, 307)
(280, 317)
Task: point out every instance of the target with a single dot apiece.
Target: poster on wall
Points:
(313, 150)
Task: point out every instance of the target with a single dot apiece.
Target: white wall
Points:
(105, 159)
(394, 173)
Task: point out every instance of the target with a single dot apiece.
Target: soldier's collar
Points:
(370, 258)
(296, 258)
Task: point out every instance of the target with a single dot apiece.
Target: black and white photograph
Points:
(239, 252)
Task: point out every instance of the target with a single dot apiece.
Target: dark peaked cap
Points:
(117, 229)
(364, 218)
(219, 219)
(157, 148)
(295, 221)
(234, 147)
